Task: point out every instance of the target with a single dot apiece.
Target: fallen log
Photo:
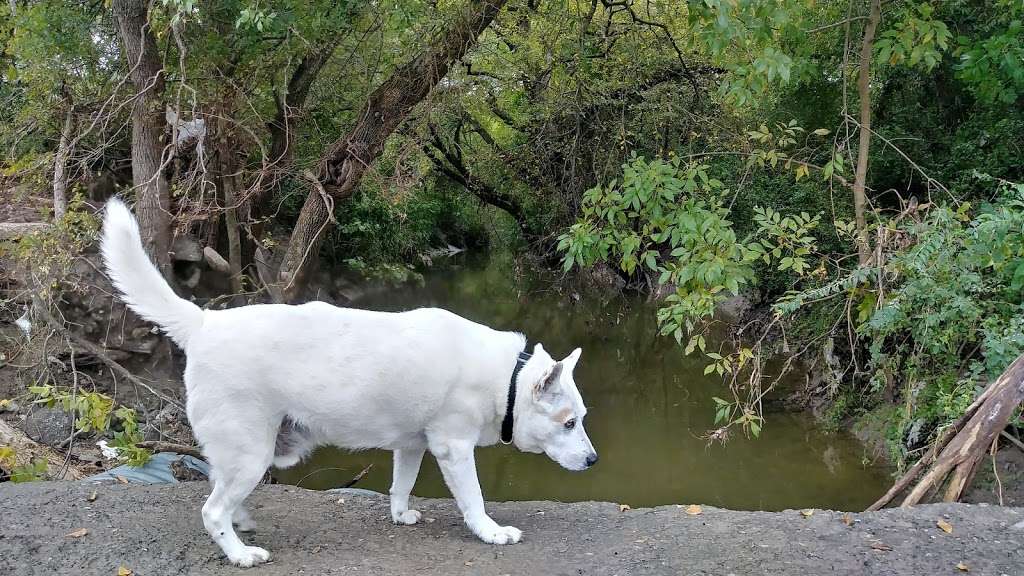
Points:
(958, 450)
(17, 230)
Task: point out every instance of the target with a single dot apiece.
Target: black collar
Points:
(506, 424)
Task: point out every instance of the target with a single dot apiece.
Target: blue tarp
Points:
(156, 471)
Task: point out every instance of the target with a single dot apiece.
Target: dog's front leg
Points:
(458, 466)
(407, 466)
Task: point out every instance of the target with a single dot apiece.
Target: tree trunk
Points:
(148, 122)
(346, 160)
(60, 164)
(282, 127)
(959, 449)
(864, 95)
(226, 169)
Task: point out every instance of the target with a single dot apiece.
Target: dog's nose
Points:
(591, 459)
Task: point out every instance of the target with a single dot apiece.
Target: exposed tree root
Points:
(955, 455)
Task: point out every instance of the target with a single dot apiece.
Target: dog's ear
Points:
(548, 383)
(571, 359)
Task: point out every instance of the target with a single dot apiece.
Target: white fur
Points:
(301, 376)
(141, 286)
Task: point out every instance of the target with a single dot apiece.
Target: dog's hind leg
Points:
(238, 465)
(407, 466)
(241, 518)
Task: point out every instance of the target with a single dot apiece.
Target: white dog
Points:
(266, 384)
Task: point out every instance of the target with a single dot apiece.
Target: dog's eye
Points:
(570, 424)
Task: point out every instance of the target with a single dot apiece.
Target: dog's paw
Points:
(502, 535)
(408, 517)
(249, 556)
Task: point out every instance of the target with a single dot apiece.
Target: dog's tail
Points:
(141, 286)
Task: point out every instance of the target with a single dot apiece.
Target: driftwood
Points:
(17, 230)
(216, 261)
(28, 450)
(958, 450)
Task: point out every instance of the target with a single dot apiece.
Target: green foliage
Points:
(387, 234)
(668, 220)
(744, 38)
(50, 254)
(951, 317)
(993, 67)
(30, 472)
(94, 412)
(7, 456)
(917, 40)
(35, 470)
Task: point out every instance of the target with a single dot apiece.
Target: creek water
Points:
(649, 407)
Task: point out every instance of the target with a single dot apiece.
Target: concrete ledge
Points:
(157, 530)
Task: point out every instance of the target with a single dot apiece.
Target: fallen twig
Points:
(358, 477)
(161, 446)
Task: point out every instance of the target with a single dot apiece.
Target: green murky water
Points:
(649, 407)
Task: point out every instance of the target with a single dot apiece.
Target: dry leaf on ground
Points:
(962, 567)
(78, 533)
(694, 510)
(624, 507)
(945, 526)
(881, 547)
(122, 571)
(847, 519)
(807, 513)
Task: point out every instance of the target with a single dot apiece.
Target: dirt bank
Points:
(156, 530)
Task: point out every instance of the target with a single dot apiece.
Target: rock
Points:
(49, 425)
(736, 307)
(186, 249)
(346, 290)
(215, 261)
(603, 276)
